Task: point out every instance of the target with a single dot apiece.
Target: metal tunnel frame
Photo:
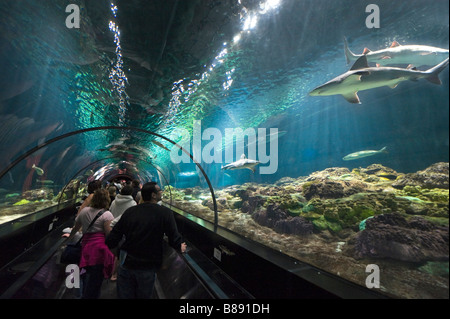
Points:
(99, 128)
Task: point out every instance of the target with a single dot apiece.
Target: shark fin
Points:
(243, 156)
(361, 63)
(393, 86)
(434, 79)
(378, 65)
(411, 67)
(395, 44)
(384, 150)
(366, 50)
(352, 97)
(349, 55)
(251, 168)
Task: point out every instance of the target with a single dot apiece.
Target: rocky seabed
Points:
(340, 221)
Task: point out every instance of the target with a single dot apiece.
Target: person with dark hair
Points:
(136, 184)
(96, 259)
(141, 253)
(112, 193)
(92, 187)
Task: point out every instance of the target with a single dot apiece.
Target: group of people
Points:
(125, 243)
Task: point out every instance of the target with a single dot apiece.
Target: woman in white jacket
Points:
(121, 203)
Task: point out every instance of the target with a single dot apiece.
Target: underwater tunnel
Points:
(303, 146)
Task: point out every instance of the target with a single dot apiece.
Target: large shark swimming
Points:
(242, 163)
(362, 77)
(416, 55)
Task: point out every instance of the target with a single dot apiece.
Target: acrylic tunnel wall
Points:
(320, 126)
(40, 177)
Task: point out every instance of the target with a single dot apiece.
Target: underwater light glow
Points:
(250, 22)
(116, 76)
(269, 5)
(227, 84)
(178, 90)
(114, 9)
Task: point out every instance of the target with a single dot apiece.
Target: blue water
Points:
(410, 120)
(292, 49)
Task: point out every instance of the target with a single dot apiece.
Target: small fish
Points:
(361, 154)
(11, 179)
(38, 170)
(346, 177)
(160, 145)
(244, 162)
(412, 199)
(12, 195)
(64, 153)
(188, 174)
(45, 182)
(89, 172)
(59, 127)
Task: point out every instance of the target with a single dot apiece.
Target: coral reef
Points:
(435, 176)
(16, 205)
(393, 236)
(341, 220)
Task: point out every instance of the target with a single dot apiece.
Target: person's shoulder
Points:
(131, 209)
(165, 209)
(84, 211)
(108, 215)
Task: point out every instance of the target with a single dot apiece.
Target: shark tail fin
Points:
(434, 72)
(384, 150)
(349, 55)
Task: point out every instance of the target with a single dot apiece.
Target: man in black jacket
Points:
(141, 253)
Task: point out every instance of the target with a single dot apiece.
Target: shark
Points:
(416, 55)
(242, 163)
(362, 77)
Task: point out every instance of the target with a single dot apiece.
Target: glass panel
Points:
(264, 96)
